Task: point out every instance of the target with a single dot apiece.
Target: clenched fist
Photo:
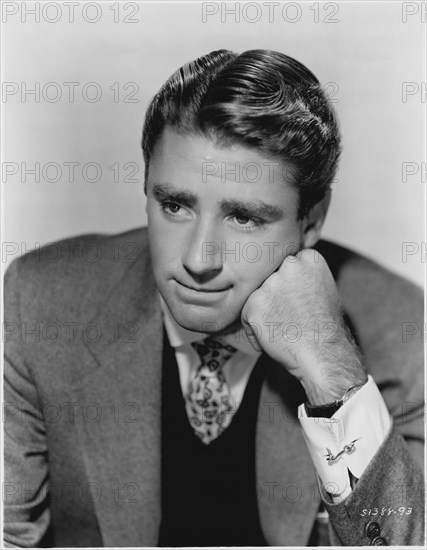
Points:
(295, 316)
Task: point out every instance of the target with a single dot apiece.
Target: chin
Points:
(202, 319)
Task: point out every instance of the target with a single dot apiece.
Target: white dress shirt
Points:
(364, 418)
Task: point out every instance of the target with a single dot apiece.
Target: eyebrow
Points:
(166, 191)
(256, 209)
(252, 208)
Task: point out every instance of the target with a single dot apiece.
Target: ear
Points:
(313, 222)
(145, 193)
(146, 201)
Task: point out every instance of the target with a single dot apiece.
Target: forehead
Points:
(199, 162)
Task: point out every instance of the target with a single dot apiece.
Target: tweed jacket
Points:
(83, 343)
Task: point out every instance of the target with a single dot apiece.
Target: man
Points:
(217, 385)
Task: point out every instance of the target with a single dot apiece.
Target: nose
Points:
(202, 257)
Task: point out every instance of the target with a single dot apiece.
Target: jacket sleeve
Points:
(386, 506)
(385, 313)
(26, 475)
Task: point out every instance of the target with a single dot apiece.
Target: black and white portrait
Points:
(213, 255)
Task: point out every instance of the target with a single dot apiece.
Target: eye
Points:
(171, 207)
(175, 211)
(246, 222)
(242, 220)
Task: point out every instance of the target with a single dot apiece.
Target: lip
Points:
(203, 290)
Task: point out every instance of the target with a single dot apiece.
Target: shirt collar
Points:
(179, 336)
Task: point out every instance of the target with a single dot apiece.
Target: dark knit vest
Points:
(208, 491)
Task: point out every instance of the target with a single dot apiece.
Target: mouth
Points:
(203, 290)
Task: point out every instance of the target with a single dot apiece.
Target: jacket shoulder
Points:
(365, 284)
(385, 313)
(77, 270)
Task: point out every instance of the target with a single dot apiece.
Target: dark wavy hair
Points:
(260, 98)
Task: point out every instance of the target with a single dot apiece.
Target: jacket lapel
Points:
(122, 391)
(288, 496)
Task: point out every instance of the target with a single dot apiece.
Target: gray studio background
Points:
(366, 56)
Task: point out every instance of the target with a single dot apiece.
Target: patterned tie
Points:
(208, 400)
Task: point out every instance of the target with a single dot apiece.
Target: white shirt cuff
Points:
(364, 418)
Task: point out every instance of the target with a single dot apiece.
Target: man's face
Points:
(220, 221)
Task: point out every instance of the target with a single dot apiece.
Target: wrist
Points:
(334, 369)
(327, 391)
(319, 394)
(327, 410)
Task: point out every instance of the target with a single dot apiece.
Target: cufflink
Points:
(346, 449)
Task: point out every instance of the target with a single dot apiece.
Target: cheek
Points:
(159, 245)
(159, 236)
(162, 252)
(258, 259)
(252, 269)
